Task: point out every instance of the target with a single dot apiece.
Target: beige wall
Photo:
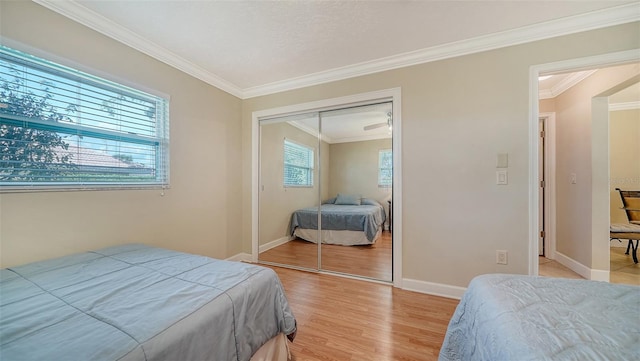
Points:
(201, 212)
(624, 147)
(457, 115)
(354, 169)
(276, 202)
(577, 133)
(547, 105)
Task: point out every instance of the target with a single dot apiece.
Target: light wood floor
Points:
(346, 319)
(622, 268)
(373, 261)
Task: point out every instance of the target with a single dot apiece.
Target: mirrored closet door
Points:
(289, 182)
(325, 190)
(355, 235)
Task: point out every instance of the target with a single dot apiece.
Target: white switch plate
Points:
(501, 257)
(573, 178)
(502, 177)
(503, 160)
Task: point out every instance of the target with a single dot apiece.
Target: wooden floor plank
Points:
(622, 268)
(346, 319)
(373, 261)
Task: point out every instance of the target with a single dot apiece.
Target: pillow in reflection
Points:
(348, 199)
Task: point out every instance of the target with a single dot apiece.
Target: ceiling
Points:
(352, 124)
(252, 48)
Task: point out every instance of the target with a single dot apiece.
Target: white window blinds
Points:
(298, 165)
(60, 127)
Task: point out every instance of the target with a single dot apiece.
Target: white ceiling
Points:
(348, 124)
(250, 48)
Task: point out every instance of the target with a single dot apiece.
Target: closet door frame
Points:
(393, 95)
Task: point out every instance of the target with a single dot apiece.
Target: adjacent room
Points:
(319, 180)
(559, 94)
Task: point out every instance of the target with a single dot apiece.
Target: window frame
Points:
(310, 170)
(22, 65)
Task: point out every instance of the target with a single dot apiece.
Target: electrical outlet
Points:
(501, 257)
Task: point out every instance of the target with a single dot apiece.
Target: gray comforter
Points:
(136, 302)
(364, 218)
(511, 317)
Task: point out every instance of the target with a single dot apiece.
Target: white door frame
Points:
(597, 61)
(393, 94)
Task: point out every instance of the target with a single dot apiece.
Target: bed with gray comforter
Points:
(367, 218)
(136, 302)
(513, 317)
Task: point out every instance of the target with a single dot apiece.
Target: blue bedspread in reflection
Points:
(364, 218)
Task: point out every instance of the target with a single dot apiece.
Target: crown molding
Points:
(565, 26)
(565, 84)
(99, 23)
(328, 140)
(624, 106)
(309, 130)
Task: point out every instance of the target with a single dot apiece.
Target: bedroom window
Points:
(62, 128)
(298, 165)
(385, 168)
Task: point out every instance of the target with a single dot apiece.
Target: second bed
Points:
(341, 224)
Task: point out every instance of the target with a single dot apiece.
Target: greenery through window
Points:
(298, 165)
(60, 127)
(385, 168)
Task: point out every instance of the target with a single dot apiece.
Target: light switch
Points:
(503, 160)
(573, 178)
(502, 177)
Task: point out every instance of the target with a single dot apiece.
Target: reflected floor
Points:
(372, 261)
(623, 270)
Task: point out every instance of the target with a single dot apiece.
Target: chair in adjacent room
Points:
(631, 230)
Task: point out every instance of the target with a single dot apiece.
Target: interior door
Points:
(541, 193)
(289, 180)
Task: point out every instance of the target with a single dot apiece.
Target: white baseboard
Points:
(240, 257)
(430, 288)
(600, 275)
(273, 244)
(435, 289)
(582, 270)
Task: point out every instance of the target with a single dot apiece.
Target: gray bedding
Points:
(511, 317)
(136, 302)
(364, 218)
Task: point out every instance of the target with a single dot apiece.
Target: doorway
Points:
(333, 168)
(585, 260)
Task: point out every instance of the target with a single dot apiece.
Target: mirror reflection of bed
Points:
(351, 179)
(353, 237)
